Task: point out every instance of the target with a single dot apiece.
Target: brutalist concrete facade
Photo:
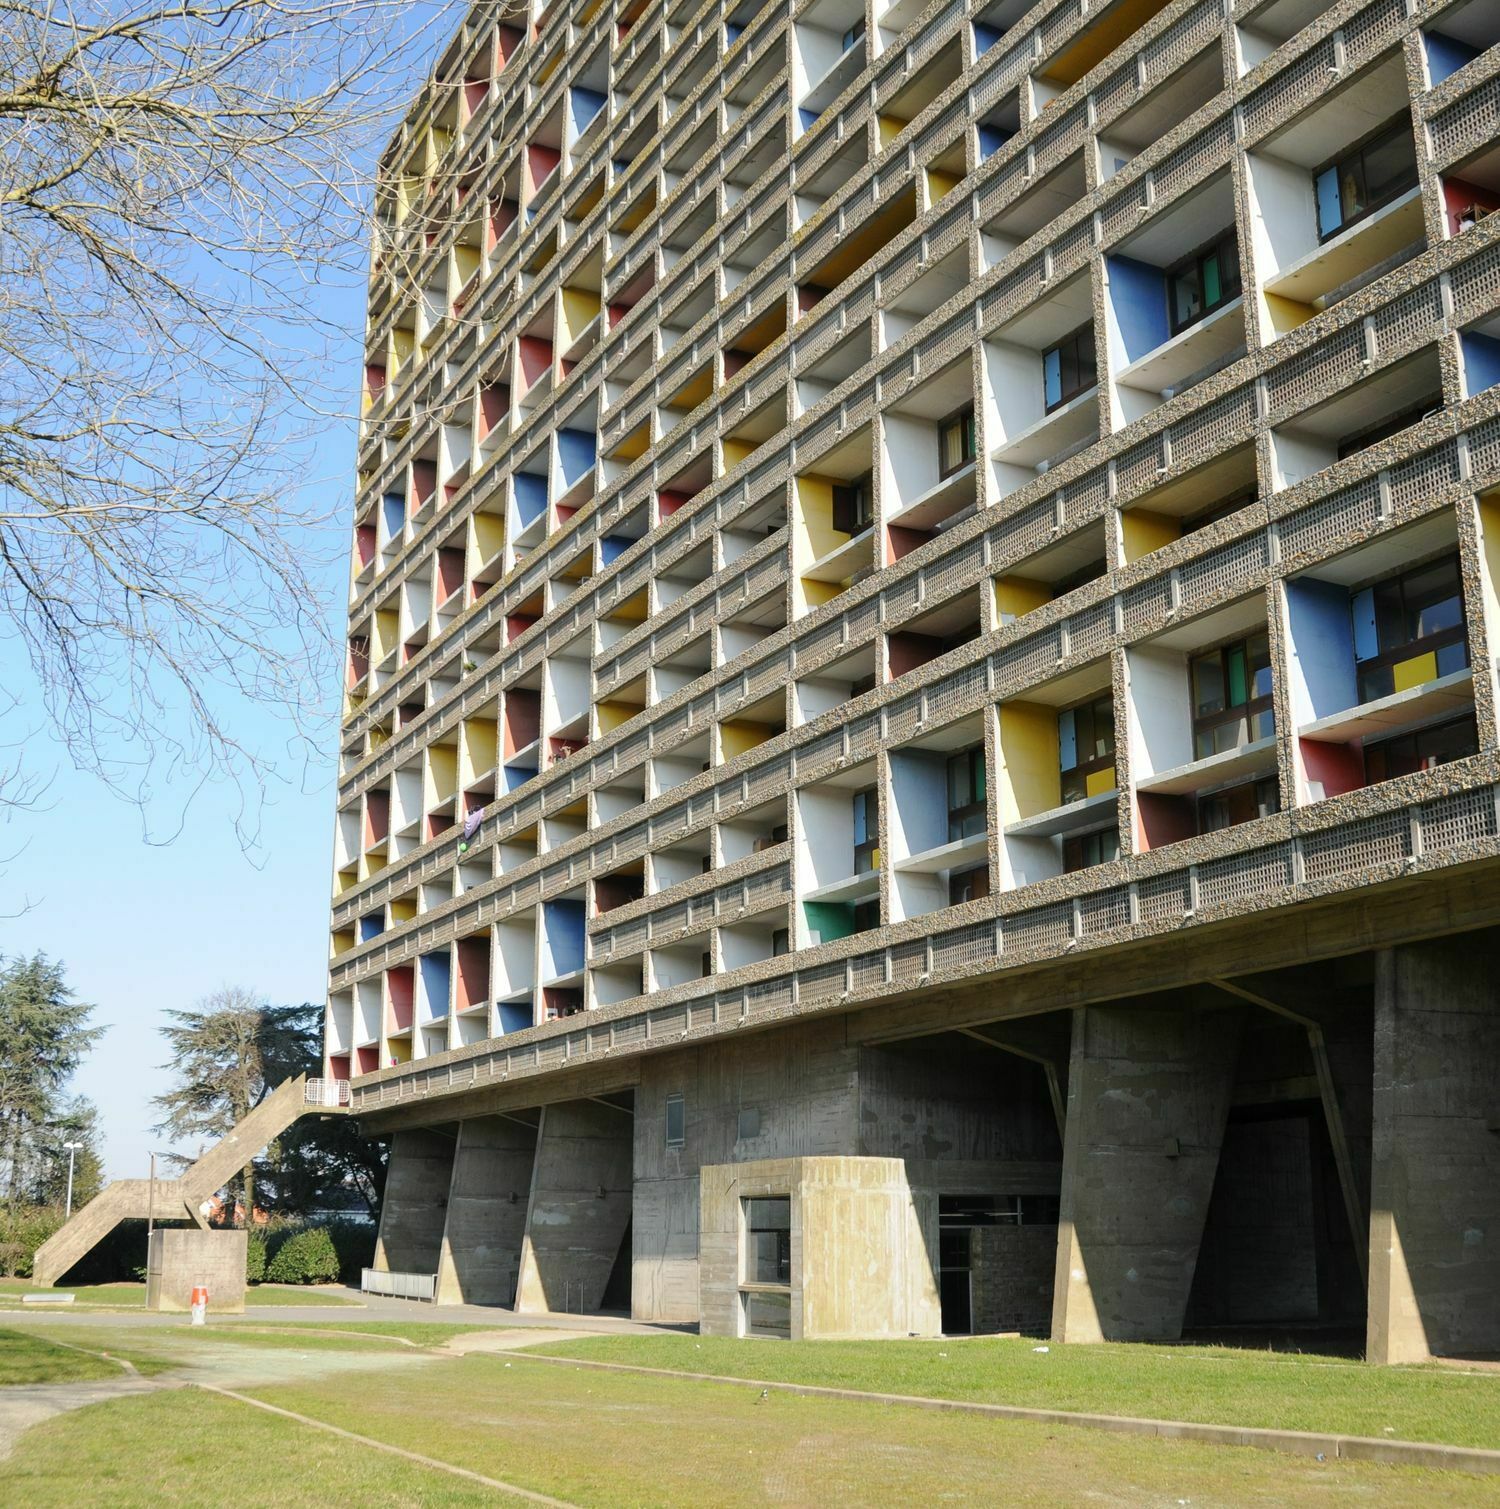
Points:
(922, 593)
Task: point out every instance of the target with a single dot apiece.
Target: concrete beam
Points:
(1148, 1097)
(1435, 1181)
(579, 1209)
(486, 1217)
(413, 1211)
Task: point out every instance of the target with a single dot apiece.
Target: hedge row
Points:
(292, 1253)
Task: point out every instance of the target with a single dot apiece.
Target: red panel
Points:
(377, 816)
(494, 405)
(368, 1059)
(1466, 202)
(364, 543)
(473, 972)
(1340, 767)
(908, 651)
(401, 986)
(423, 483)
(536, 358)
(450, 573)
(523, 719)
(1164, 820)
(901, 542)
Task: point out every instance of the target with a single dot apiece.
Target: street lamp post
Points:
(71, 1148)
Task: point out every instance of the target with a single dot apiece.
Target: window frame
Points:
(863, 516)
(677, 1102)
(1232, 712)
(962, 416)
(1354, 156)
(1194, 263)
(868, 848)
(1410, 736)
(976, 783)
(1411, 649)
(1081, 770)
(1080, 339)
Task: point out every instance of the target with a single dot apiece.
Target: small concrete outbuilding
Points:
(182, 1257)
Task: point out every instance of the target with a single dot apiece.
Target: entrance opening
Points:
(616, 1296)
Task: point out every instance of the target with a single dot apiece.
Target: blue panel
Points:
(575, 451)
(1138, 295)
(1362, 616)
(586, 104)
(531, 496)
(436, 972)
(991, 139)
(732, 30)
(1067, 741)
(808, 117)
(394, 507)
(613, 546)
(1318, 626)
(562, 928)
(515, 1016)
(371, 927)
(517, 776)
(985, 38)
(1446, 55)
(1481, 361)
(1330, 214)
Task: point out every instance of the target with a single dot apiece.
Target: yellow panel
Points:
(400, 1048)
(815, 594)
(815, 534)
(940, 183)
(1409, 673)
(1099, 781)
(738, 738)
(478, 747)
(404, 909)
(466, 260)
(633, 446)
(579, 307)
(1143, 531)
(402, 344)
(613, 714)
(1287, 314)
(1099, 41)
(342, 941)
(1016, 596)
(1029, 779)
(489, 534)
(890, 129)
(735, 451)
(442, 761)
(633, 610)
(387, 629)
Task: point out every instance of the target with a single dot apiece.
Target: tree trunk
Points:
(249, 1177)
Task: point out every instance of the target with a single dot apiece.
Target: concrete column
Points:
(1148, 1096)
(481, 1252)
(579, 1209)
(1435, 1178)
(416, 1195)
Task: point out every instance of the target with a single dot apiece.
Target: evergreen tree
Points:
(44, 1034)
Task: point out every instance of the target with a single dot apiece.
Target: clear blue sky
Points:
(145, 928)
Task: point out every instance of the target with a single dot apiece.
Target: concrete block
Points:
(182, 1257)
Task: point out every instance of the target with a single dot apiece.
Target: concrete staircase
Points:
(173, 1199)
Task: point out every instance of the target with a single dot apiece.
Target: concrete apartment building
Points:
(921, 747)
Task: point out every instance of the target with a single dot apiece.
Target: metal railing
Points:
(326, 1092)
(421, 1286)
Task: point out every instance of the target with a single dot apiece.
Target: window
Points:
(1423, 749)
(854, 505)
(866, 916)
(854, 34)
(676, 1120)
(1409, 629)
(961, 1212)
(781, 941)
(968, 885)
(1380, 169)
(1082, 851)
(956, 442)
(1068, 368)
(866, 831)
(1206, 281)
(1238, 804)
(768, 1240)
(966, 804)
(1086, 748)
(1232, 696)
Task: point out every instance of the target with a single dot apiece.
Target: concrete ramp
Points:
(173, 1199)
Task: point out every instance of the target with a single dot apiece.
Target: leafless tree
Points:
(178, 184)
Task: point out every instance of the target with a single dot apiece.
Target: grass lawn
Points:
(28, 1358)
(128, 1296)
(1216, 1385)
(622, 1440)
(284, 1294)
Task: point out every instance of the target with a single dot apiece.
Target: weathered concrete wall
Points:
(860, 1263)
(579, 1208)
(486, 1218)
(181, 1257)
(954, 1098)
(1435, 1185)
(1148, 1093)
(1011, 1272)
(414, 1210)
(797, 1090)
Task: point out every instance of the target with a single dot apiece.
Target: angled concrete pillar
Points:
(1148, 1096)
(486, 1217)
(1435, 1180)
(580, 1206)
(416, 1197)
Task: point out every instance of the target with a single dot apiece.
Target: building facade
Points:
(920, 747)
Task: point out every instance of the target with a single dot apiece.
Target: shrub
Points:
(306, 1258)
(255, 1258)
(23, 1228)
